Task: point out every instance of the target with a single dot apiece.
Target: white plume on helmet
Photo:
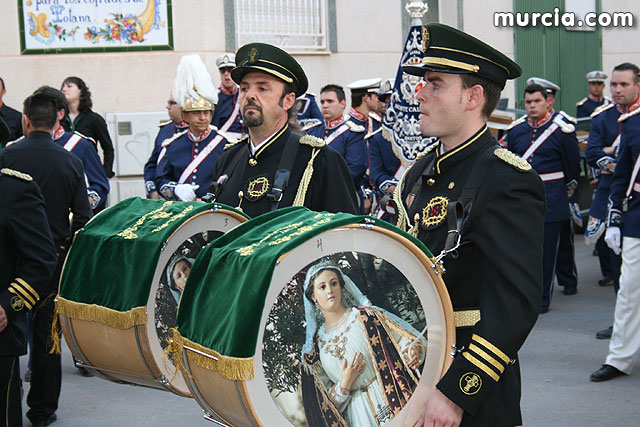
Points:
(193, 83)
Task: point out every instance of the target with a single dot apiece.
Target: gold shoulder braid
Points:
(167, 142)
(236, 142)
(512, 159)
(313, 141)
(15, 173)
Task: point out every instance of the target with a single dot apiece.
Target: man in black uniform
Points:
(467, 186)
(27, 259)
(10, 116)
(275, 166)
(60, 176)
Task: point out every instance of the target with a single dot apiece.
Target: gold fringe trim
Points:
(306, 180)
(231, 368)
(106, 316)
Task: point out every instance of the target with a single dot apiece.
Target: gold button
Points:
(451, 185)
(195, 151)
(253, 162)
(431, 182)
(416, 217)
(195, 170)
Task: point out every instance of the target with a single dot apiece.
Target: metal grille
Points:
(297, 25)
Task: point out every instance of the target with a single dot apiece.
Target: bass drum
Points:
(122, 282)
(277, 361)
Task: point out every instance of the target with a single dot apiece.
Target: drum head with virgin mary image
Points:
(357, 333)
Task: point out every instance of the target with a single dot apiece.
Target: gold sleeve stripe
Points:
(26, 303)
(24, 295)
(486, 356)
(28, 287)
(491, 347)
(487, 370)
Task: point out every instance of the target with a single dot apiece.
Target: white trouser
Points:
(625, 340)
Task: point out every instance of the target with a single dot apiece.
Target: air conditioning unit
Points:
(133, 135)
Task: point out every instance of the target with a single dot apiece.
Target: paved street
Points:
(557, 360)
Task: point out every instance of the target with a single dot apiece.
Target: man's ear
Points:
(475, 97)
(289, 101)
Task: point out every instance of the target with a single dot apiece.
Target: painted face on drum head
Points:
(180, 274)
(327, 292)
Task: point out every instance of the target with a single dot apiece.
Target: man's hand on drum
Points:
(352, 370)
(3, 319)
(439, 411)
(413, 355)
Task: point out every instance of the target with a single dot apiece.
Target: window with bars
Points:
(295, 25)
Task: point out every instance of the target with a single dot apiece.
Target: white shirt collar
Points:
(254, 149)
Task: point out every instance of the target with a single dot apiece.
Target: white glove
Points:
(612, 239)
(186, 192)
(576, 216)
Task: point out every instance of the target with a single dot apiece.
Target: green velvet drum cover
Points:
(242, 315)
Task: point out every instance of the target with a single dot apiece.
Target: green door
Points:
(555, 54)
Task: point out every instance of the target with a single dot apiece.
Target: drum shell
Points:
(248, 403)
(134, 354)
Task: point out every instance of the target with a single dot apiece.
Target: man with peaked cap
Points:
(275, 166)
(565, 262)
(595, 83)
(27, 260)
(185, 170)
(549, 143)
(364, 104)
(384, 165)
(167, 130)
(469, 188)
(343, 135)
(227, 115)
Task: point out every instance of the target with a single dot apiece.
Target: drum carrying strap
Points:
(283, 173)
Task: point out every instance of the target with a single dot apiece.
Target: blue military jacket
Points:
(370, 122)
(85, 149)
(308, 108)
(605, 130)
(347, 138)
(383, 163)
(626, 178)
(184, 149)
(225, 112)
(557, 159)
(167, 130)
(587, 106)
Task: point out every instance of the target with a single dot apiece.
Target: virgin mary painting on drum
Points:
(361, 363)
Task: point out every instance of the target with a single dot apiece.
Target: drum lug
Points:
(368, 223)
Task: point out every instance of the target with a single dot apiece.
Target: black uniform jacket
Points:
(60, 176)
(330, 189)
(13, 120)
(497, 269)
(27, 257)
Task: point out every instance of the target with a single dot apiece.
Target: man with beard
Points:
(275, 166)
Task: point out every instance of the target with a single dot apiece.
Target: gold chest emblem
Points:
(257, 187)
(435, 212)
(470, 383)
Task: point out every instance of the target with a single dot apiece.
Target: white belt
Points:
(551, 176)
(636, 187)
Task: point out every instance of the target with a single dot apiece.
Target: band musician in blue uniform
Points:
(602, 154)
(344, 136)
(595, 83)
(186, 169)
(548, 142)
(226, 116)
(166, 131)
(364, 104)
(623, 237)
(308, 110)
